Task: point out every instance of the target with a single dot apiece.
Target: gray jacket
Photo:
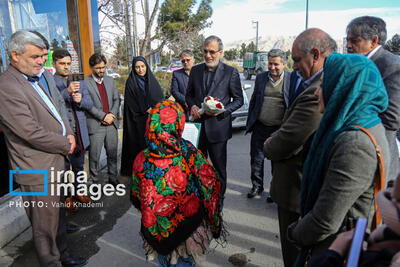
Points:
(55, 93)
(347, 190)
(95, 115)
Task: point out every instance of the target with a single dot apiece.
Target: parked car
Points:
(161, 68)
(113, 74)
(239, 116)
(175, 64)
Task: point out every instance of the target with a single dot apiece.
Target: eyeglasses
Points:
(212, 52)
(185, 60)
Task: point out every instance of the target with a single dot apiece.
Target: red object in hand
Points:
(208, 98)
(218, 105)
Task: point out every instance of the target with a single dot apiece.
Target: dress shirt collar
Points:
(311, 79)
(370, 54)
(97, 80)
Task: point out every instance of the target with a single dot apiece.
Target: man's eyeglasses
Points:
(185, 60)
(212, 52)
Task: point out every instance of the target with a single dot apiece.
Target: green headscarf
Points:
(354, 94)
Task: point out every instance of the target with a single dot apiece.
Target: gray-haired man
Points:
(180, 79)
(37, 138)
(366, 35)
(267, 105)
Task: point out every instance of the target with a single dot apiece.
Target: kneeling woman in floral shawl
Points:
(177, 191)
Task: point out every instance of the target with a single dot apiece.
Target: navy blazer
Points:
(227, 88)
(85, 105)
(179, 84)
(257, 98)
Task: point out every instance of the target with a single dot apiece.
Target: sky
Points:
(232, 19)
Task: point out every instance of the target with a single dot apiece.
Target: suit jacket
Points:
(33, 135)
(257, 98)
(389, 67)
(226, 87)
(55, 93)
(95, 115)
(179, 84)
(85, 105)
(285, 146)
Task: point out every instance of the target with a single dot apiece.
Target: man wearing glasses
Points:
(366, 35)
(180, 80)
(102, 121)
(216, 79)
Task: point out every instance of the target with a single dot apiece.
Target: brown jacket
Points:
(284, 147)
(33, 135)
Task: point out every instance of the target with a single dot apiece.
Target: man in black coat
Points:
(366, 35)
(180, 80)
(216, 79)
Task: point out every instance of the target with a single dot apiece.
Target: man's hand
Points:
(149, 110)
(77, 97)
(73, 87)
(342, 242)
(109, 118)
(71, 140)
(194, 112)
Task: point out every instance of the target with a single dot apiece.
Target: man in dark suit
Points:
(216, 79)
(285, 146)
(77, 102)
(366, 35)
(180, 80)
(267, 105)
(37, 138)
(102, 121)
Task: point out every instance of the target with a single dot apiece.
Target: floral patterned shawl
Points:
(174, 186)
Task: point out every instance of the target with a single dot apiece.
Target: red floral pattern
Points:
(207, 175)
(169, 197)
(176, 179)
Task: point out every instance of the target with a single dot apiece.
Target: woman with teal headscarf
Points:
(339, 172)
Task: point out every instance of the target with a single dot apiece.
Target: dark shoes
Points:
(269, 199)
(114, 182)
(74, 262)
(72, 228)
(255, 191)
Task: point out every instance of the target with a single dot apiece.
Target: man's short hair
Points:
(60, 53)
(211, 38)
(186, 52)
(20, 39)
(46, 43)
(97, 58)
(307, 42)
(367, 27)
(278, 53)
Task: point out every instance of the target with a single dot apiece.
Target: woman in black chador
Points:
(142, 92)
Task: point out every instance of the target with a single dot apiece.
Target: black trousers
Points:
(217, 153)
(258, 136)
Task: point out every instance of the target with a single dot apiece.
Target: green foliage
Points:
(121, 52)
(393, 45)
(179, 24)
(242, 50)
(235, 65)
(251, 47)
(231, 54)
(164, 79)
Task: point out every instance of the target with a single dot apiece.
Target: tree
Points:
(121, 52)
(242, 50)
(179, 25)
(393, 45)
(251, 47)
(231, 54)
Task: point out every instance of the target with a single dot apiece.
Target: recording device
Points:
(75, 77)
(357, 242)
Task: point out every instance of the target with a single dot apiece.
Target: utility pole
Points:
(128, 33)
(256, 23)
(306, 14)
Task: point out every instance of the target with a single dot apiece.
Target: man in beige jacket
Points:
(301, 119)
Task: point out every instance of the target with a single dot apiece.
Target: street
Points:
(110, 234)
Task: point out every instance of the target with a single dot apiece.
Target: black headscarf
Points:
(141, 93)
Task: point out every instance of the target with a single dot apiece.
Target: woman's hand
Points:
(342, 243)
